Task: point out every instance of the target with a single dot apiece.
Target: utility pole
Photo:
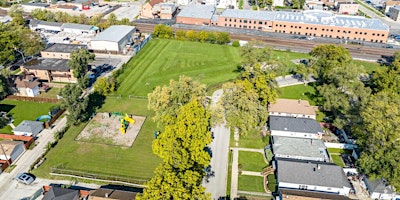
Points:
(4, 152)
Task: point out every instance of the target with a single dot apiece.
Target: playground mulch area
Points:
(104, 129)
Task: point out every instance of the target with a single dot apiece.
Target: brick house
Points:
(49, 70)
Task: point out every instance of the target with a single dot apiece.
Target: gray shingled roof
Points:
(291, 124)
(57, 193)
(48, 64)
(311, 173)
(299, 147)
(27, 126)
(64, 48)
(197, 11)
(114, 33)
(82, 27)
(379, 186)
(46, 23)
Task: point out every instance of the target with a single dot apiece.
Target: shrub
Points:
(236, 43)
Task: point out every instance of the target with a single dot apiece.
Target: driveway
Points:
(216, 182)
(8, 186)
(290, 80)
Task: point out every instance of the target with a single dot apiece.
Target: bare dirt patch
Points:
(104, 129)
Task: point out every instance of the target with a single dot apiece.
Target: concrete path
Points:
(290, 80)
(249, 149)
(24, 162)
(255, 193)
(250, 173)
(235, 173)
(216, 179)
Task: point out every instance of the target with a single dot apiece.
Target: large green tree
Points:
(378, 136)
(387, 78)
(253, 53)
(75, 103)
(182, 148)
(166, 100)
(79, 62)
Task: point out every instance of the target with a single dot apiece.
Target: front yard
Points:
(251, 161)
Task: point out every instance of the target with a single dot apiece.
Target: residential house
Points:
(61, 51)
(394, 13)
(314, 177)
(164, 10)
(58, 193)
(350, 8)
(293, 108)
(295, 127)
(11, 150)
(111, 194)
(28, 128)
(146, 10)
(27, 86)
(299, 148)
(380, 189)
(49, 70)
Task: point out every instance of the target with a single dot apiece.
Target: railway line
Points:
(305, 46)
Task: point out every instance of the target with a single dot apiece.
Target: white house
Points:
(113, 39)
(299, 148)
(28, 128)
(295, 127)
(25, 86)
(380, 189)
(312, 177)
(11, 150)
(292, 108)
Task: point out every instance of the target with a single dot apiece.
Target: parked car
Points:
(25, 178)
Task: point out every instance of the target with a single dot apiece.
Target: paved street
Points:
(216, 184)
(8, 186)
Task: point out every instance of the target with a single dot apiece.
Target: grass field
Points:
(52, 93)
(163, 60)
(368, 66)
(251, 161)
(337, 160)
(137, 162)
(304, 92)
(340, 151)
(23, 110)
(251, 183)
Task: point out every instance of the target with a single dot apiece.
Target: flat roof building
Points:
(394, 13)
(60, 51)
(49, 69)
(78, 28)
(113, 39)
(196, 15)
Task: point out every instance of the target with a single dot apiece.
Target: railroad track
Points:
(356, 51)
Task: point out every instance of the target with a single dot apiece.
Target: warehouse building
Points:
(113, 40)
(309, 23)
(60, 51)
(79, 28)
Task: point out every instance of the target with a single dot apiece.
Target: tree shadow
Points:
(239, 68)
(96, 101)
(6, 107)
(209, 173)
(121, 187)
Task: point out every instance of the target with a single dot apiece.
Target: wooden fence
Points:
(27, 139)
(33, 99)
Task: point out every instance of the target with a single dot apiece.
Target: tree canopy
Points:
(73, 101)
(79, 62)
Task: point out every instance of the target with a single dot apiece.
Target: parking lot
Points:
(131, 12)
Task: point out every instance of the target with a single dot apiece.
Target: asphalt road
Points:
(394, 26)
(216, 182)
(9, 188)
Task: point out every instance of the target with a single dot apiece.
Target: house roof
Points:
(113, 194)
(114, 33)
(64, 48)
(292, 106)
(46, 23)
(82, 27)
(303, 147)
(311, 173)
(27, 126)
(48, 64)
(25, 81)
(248, 14)
(5, 19)
(58, 193)
(197, 11)
(311, 194)
(291, 124)
(9, 146)
(154, 2)
(66, 7)
(379, 186)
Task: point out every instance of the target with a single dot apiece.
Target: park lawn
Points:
(229, 178)
(23, 110)
(251, 183)
(337, 160)
(287, 57)
(251, 161)
(303, 92)
(137, 162)
(163, 60)
(368, 66)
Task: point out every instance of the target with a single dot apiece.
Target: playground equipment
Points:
(125, 121)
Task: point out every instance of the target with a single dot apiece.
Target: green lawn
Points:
(272, 185)
(52, 93)
(337, 160)
(136, 162)
(251, 161)
(252, 140)
(287, 57)
(251, 183)
(304, 92)
(340, 151)
(368, 66)
(163, 60)
(229, 179)
(23, 110)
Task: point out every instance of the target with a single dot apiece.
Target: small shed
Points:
(11, 149)
(28, 128)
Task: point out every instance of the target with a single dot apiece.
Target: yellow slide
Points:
(128, 119)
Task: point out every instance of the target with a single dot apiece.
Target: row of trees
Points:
(163, 31)
(366, 107)
(64, 17)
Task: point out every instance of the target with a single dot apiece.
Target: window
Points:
(378, 34)
(244, 26)
(225, 24)
(225, 19)
(234, 20)
(299, 26)
(245, 21)
(373, 34)
(302, 187)
(250, 21)
(240, 26)
(240, 21)
(349, 31)
(254, 22)
(259, 28)
(356, 32)
(230, 20)
(265, 23)
(280, 25)
(276, 25)
(291, 26)
(295, 26)
(306, 28)
(284, 25)
(234, 25)
(323, 29)
(365, 33)
(260, 23)
(284, 31)
(338, 31)
(315, 28)
(331, 30)
(230, 25)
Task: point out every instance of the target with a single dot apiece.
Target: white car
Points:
(25, 178)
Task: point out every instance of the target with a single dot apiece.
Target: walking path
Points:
(255, 193)
(235, 173)
(250, 173)
(248, 149)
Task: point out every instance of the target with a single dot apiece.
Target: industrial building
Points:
(60, 51)
(309, 23)
(113, 40)
(394, 13)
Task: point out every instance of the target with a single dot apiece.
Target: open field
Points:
(163, 60)
(304, 92)
(23, 110)
(251, 183)
(137, 162)
(251, 161)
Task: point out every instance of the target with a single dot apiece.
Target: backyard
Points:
(23, 110)
(251, 161)
(251, 183)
